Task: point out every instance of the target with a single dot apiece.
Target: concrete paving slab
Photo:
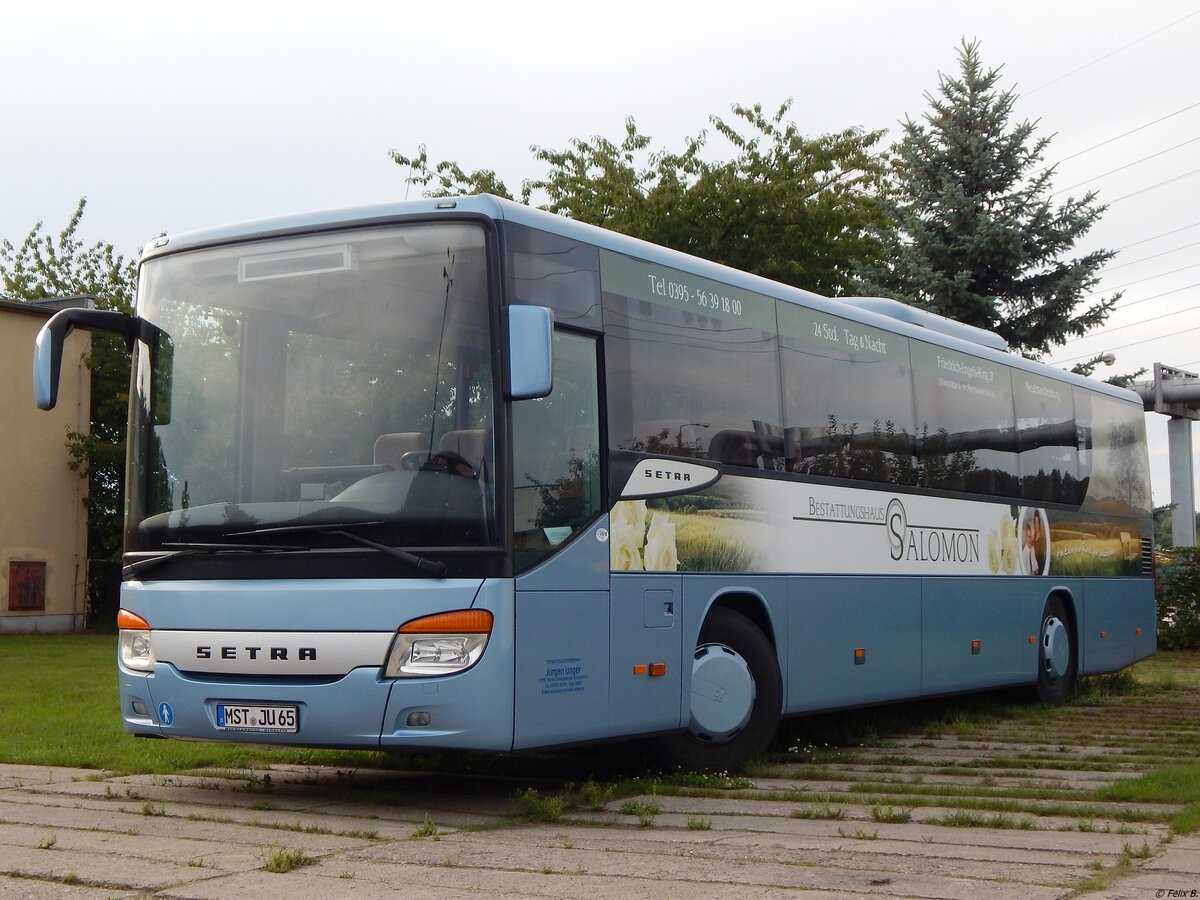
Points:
(31, 889)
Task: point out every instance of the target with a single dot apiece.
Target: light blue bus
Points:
(458, 473)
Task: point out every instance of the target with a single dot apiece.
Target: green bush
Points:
(1179, 600)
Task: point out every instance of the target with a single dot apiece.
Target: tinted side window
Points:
(693, 366)
(1046, 439)
(966, 423)
(550, 270)
(848, 406)
(1113, 453)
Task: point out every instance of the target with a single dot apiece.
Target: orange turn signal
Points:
(127, 621)
(462, 621)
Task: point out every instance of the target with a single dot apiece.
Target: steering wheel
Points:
(438, 461)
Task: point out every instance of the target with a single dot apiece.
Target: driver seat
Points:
(389, 448)
(470, 443)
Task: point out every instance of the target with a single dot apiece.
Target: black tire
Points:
(732, 634)
(1058, 654)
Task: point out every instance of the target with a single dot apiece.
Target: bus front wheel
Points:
(1058, 658)
(735, 699)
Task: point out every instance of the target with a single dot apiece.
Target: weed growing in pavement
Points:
(645, 811)
(427, 829)
(280, 861)
(825, 810)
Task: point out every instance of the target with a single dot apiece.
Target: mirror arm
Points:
(48, 347)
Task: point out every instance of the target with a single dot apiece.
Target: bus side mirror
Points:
(48, 349)
(530, 355)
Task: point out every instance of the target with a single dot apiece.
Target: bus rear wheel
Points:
(1058, 658)
(736, 697)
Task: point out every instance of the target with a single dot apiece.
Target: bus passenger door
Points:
(561, 550)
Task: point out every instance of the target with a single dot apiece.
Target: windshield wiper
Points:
(181, 548)
(341, 529)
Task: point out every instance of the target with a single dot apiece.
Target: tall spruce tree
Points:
(979, 239)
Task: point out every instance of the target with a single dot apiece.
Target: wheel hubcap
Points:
(722, 693)
(1056, 648)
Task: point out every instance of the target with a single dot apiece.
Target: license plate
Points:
(271, 719)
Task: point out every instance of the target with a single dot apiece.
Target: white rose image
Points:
(1009, 550)
(661, 554)
(659, 522)
(628, 512)
(994, 552)
(625, 546)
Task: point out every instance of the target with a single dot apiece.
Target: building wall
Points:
(43, 520)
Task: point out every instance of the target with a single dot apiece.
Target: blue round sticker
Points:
(165, 713)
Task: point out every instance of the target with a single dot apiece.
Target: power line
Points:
(1134, 262)
(1121, 287)
(1126, 306)
(1108, 331)
(1127, 133)
(1122, 168)
(1186, 287)
(1112, 53)
(1157, 236)
(1059, 362)
(1153, 187)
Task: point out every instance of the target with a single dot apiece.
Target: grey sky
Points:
(170, 117)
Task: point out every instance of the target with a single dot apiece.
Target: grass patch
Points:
(1175, 783)
(427, 829)
(281, 861)
(819, 811)
(890, 814)
(73, 718)
(644, 810)
(531, 806)
(965, 818)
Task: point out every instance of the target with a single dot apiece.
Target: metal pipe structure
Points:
(1176, 393)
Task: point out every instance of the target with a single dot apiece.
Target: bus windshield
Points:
(314, 386)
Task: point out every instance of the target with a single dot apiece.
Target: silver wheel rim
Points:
(1056, 648)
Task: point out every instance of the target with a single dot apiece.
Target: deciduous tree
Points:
(796, 209)
(44, 266)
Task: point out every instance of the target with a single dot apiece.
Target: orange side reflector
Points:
(657, 670)
(1137, 631)
(1032, 639)
(639, 669)
(860, 656)
(462, 621)
(127, 621)
(1104, 634)
(975, 647)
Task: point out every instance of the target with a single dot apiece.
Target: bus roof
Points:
(890, 315)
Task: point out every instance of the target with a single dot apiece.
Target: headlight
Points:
(133, 642)
(441, 644)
